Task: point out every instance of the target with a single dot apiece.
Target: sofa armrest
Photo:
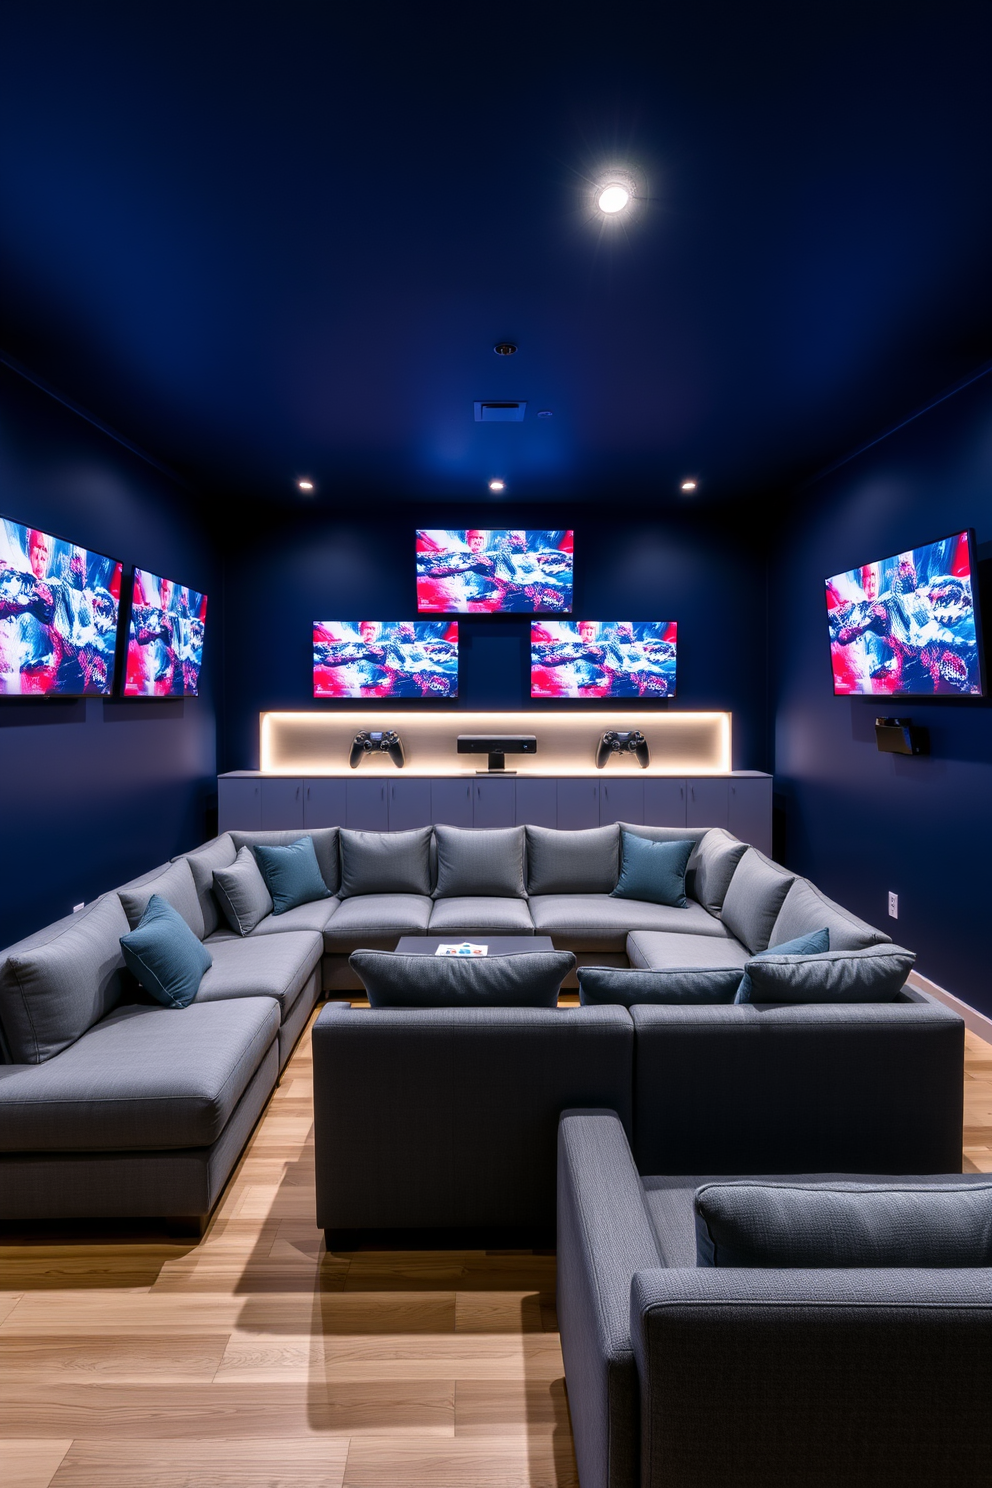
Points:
(604, 1237)
(859, 1378)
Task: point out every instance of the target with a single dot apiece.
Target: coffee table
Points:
(499, 945)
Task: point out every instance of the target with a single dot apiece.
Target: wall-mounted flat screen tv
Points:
(603, 658)
(487, 571)
(385, 658)
(59, 606)
(165, 638)
(907, 626)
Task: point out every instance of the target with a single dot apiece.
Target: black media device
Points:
(497, 746)
(614, 742)
(898, 736)
(376, 741)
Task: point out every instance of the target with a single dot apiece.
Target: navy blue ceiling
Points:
(267, 240)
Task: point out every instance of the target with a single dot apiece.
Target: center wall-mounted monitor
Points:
(603, 658)
(385, 658)
(484, 571)
(165, 638)
(59, 607)
(907, 626)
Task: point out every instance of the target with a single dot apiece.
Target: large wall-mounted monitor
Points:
(385, 659)
(603, 658)
(59, 607)
(907, 626)
(165, 638)
(485, 571)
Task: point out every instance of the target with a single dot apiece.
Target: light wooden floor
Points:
(253, 1360)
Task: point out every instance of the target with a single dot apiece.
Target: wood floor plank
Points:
(464, 1462)
(30, 1462)
(115, 1358)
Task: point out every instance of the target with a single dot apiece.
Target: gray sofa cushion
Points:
(851, 1224)
(805, 909)
(754, 898)
(58, 983)
(276, 966)
(528, 980)
(659, 949)
(487, 916)
(175, 885)
(220, 852)
(325, 846)
(385, 862)
(689, 984)
(480, 863)
(582, 862)
(144, 1078)
(241, 893)
(313, 916)
(875, 974)
(598, 922)
(377, 921)
(712, 866)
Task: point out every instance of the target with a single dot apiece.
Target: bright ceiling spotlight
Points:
(613, 198)
(497, 486)
(305, 485)
(688, 486)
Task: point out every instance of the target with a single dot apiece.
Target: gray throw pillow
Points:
(581, 862)
(385, 862)
(325, 846)
(176, 886)
(714, 863)
(242, 893)
(531, 979)
(844, 1224)
(875, 974)
(754, 898)
(220, 853)
(687, 985)
(482, 863)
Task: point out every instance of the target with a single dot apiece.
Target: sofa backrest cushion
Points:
(812, 944)
(203, 861)
(653, 872)
(805, 909)
(385, 862)
(582, 862)
(860, 1225)
(875, 974)
(754, 898)
(165, 956)
(531, 979)
(689, 984)
(53, 988)
(242, 893)
(485, 863)
(325, 845)
(176, 886)
(712, 866)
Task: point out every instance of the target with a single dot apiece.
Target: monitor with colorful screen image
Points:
(165, 638)
(385, 658)
(59, 607)
(907, 626)
(481, 570)
(603, 658)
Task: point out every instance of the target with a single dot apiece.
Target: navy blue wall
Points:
(858, 822)
(91, 791)
(685, 568)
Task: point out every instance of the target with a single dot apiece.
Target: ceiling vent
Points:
(500, 413)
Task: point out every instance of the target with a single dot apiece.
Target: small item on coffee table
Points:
(462, 948)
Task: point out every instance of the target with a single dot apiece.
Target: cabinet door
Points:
(621, 800)
(537, 803)
(366, 807)
(706, 803)
(323, 803)
(282, 804)
(239, 805)
(494, 803)
(409, 804)
(664, 803)
(451, 802)
(750, 814)
(578, 804)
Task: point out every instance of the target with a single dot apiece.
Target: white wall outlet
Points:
(893, 905)
(77, 907)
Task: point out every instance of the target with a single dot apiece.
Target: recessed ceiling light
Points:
(688, 485)
(497, 485)
(613, 197)
(505, 348)
(305, 485)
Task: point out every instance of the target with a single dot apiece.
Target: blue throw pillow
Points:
(165, 955)
(812, 944)
(292, 875)
(653, 871)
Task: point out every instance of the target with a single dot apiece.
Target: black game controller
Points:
(613, 742)
(382, 741)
